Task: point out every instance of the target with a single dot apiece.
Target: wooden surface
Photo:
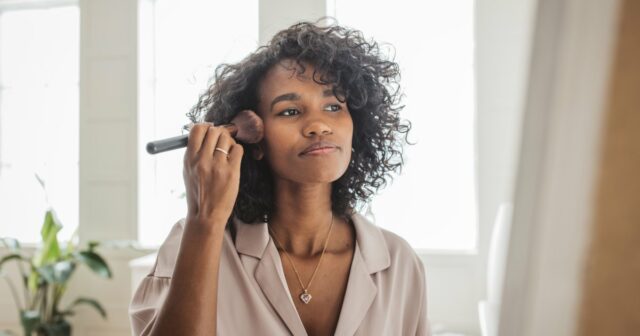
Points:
(611, 292)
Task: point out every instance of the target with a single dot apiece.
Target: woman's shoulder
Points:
(167, 253)
(399, 247)
(402, 255)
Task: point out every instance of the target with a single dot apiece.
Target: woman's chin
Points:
(319, 176)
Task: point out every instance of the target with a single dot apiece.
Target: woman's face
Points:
(298, 112)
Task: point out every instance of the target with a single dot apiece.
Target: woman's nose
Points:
(317, 128)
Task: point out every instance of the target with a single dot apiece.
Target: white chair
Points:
(489, 309)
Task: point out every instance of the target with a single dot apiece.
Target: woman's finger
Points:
(209, 142)
(235, 156)
(225, 142)
(196, 135)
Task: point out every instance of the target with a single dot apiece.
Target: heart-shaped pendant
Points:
(305, 297)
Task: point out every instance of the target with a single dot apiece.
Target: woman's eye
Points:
(288, 110)
(331, 107)
(334, 107)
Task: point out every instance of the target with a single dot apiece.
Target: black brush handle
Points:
(159, 146)
(180, 141)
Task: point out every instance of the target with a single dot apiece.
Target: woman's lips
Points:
(318, 145)
(321, 151)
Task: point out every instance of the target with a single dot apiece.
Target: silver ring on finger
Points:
(222, 150)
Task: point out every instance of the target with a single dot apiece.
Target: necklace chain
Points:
(305, 296)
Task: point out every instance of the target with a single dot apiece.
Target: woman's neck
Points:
(302, 217)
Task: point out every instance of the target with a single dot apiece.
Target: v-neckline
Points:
(370, 256)
(359, 295)
(283, 280)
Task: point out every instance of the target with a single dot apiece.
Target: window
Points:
(181, 44)
(433, 202)
(39, 68)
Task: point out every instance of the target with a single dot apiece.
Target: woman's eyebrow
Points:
(286, 96)
(295, 96)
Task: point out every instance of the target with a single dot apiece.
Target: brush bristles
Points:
(250, 126)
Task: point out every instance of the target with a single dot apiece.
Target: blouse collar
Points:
(252, 239)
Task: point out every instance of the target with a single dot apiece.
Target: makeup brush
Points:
(247, 127)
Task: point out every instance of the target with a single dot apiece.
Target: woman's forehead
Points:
(286, 74)
(290, 68)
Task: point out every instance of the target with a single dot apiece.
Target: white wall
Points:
(280, 14)
(504, 31)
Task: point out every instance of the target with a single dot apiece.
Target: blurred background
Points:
(511, 103)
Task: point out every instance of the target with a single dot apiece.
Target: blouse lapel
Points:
(361, 291)
(371, 255)
(274, 287)
(254, 240)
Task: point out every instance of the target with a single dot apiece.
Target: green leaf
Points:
(83, 300)
(30, 320)
(58, 328)
(11, 243)
(46, 273)
(50, 250)
(25, 280)
(95, 263)
(11, 257)
(58, 272)
(71, 246)
(33, 281)
(93, 244)
(40, 180)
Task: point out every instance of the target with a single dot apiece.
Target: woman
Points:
(271, 244)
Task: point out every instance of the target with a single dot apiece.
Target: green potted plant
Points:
(45, 279)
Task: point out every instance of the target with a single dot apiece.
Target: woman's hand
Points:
(211, 178)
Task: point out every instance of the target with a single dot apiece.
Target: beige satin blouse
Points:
(385, 295)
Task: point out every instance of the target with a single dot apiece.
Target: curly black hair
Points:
(359, 74)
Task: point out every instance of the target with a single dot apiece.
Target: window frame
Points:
(9, 5)
(13, 5)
